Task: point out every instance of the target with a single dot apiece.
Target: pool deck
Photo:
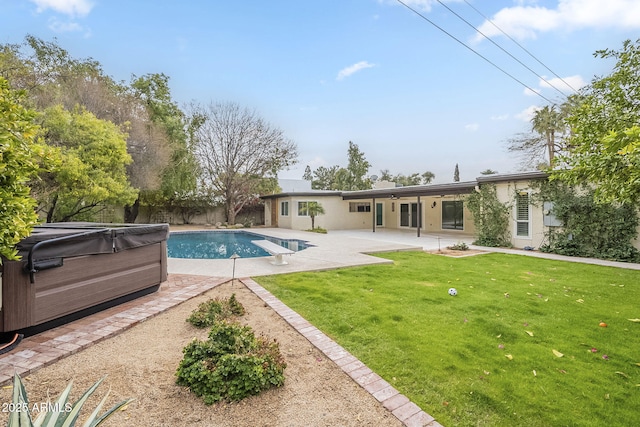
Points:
(189, 278)
(347, 248)
(340, 248)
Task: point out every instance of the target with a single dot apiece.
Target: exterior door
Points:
(404, 215)
(415, 215)
(379, 214)
(409, 215)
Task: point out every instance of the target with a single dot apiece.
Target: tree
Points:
(456, 174)
(308, 176)
(314, 209)
(237, 150)
(548, 136)
(488, 172)
(19, 155)
(357, 169)
(413, 179)
(605, 140)
(166, 127)
(546, 122)
(91, 174)
(428, 177)
(405, 180)
(385, 175)
(154, 124)
(353, 177)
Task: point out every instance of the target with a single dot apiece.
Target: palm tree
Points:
(314, 209)
(546, 122)
(427, 177)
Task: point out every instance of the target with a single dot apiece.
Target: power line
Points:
(501, 48)
(520, 46)
(473, 50)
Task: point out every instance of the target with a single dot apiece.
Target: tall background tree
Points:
(308, 175)
(143, 110)
(168, 131)
(357, 169)
(605, 131)
(352, 177)
(405, 180)
(456, 174)
(488, 172)
(239, 153)
(548, 136)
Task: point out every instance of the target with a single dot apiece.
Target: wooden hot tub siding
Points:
(82, 282)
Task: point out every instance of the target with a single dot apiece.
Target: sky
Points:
(418, 85)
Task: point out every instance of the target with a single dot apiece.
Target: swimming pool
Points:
(223, 244)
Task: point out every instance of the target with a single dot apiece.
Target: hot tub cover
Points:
(67, 239)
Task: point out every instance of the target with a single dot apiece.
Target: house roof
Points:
(413, 191)
(521, 176)
(307, 193)
(448, 189)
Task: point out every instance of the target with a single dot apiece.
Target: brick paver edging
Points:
(43, 349)
(398, 404)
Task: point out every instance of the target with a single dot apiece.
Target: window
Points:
(452, 215)
(284, 208)
(359, 207)
(522, 215)
(303, 208)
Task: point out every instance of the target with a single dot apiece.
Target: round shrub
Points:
(231, 364)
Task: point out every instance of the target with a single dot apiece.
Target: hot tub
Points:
(69, 268)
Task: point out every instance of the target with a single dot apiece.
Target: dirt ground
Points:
(456, 253)
(141, 363)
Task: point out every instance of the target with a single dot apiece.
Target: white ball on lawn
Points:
(453, 292)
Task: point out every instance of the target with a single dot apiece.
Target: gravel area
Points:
(141, 362)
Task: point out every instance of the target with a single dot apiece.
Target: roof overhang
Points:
(449, 189)
(310, 193)
(521, 176)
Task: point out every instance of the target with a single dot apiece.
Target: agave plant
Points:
(61, 413)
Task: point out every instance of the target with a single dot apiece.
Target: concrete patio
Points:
(338, 248)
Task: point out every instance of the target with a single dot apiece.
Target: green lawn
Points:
(486, 356)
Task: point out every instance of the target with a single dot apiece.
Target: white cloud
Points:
(527, 114)
(64, 27)
(66, 7)
(566, 84)
(527, 21)
(351, 69)
(500, 118)
(424, 5)
(472, 127)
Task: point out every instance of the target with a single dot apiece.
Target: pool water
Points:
(222, 244)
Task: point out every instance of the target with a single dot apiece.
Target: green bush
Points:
(590, 229)
(231, 365)
(214, 310)
(460, 246)
(490, 217)
(318, 230)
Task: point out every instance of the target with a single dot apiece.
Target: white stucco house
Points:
(431, 208)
